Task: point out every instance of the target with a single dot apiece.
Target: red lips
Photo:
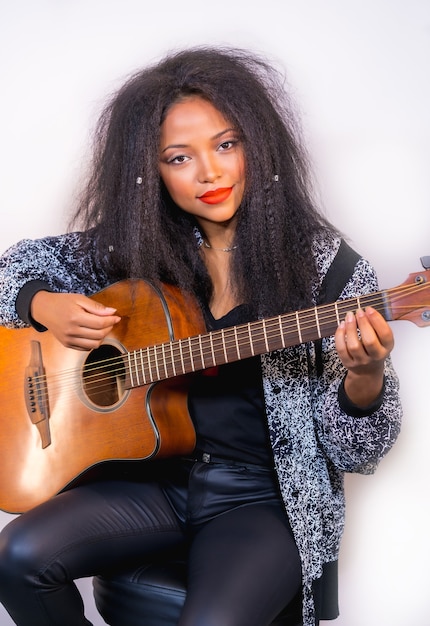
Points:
(216, 196)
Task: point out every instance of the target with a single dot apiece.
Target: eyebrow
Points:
(184, 145)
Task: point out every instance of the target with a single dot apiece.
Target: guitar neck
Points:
(192, 354)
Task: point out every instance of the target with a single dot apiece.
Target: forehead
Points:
(193, 113)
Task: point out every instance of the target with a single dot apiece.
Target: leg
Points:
(79, 533)
(244, 568)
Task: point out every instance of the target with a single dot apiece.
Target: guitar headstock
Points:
(411, 300)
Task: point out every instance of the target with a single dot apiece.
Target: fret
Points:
(317, 322)
(172, 356)
(229, 347)
(298, 327)
(148, 360)
(142, 367)
(243, 346)
(148, 364)
(136, 371)
(336, 308)
(308, 329)
(197, 360)
(290, 331)
(216, 338)
(281, 331)
(223, 346)
(156, 363)
(130, 368)
(198, 353)
(252, 338)
(149, 353)
(265, 335)
(167, 366)
(170, 365)
(202, 359)
(211, 343)
(251, 343)
(137, 368)
(346, 305)
(190, 348)
(236, 342)
(130, 372)
(328, 320)
(163, 362)
(154, 367)
(181, 356)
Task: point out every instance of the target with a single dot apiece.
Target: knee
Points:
(19, 554)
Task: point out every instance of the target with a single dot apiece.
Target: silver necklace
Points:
(208, 245)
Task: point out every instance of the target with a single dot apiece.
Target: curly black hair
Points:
(152, 238)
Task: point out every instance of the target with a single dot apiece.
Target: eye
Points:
(227, 145)
(178, 159)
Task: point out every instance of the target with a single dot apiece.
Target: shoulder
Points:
(324, 249)
(45, 246)
(67, 262)
(338, 262)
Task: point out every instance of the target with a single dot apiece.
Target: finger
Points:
(376, 334)
(85, 338)
(381, 327)
(95, 323)
(351, 335)
(96, 308)
(86, 314)
(345, 336)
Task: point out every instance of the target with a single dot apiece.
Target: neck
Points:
(226, 249)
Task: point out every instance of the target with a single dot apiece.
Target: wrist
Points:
(361, 401)
(24, 302)
(362, 388)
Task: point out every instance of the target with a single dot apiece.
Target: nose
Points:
(209, 169)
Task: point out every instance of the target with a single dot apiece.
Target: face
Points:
(202, 162)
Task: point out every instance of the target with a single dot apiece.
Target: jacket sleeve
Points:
(63, 263)
(355, 440)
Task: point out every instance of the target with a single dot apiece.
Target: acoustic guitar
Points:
(65, 411)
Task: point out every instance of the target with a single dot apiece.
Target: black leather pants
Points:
(243, 563)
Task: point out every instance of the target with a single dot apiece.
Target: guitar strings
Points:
(265, 334)
(154, 363)
(266, 328)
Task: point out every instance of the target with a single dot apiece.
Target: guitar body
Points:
(67, 422)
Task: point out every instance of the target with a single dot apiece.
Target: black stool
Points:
(153, 595)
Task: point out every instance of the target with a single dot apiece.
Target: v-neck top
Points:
(226, 404)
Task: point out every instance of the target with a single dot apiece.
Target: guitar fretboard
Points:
(192, 354)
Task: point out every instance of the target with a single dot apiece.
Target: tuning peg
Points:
(425, 262)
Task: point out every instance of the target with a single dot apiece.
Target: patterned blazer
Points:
(316, 433)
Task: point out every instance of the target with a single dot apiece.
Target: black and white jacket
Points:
(316, 434)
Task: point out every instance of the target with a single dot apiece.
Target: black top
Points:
(227, 406)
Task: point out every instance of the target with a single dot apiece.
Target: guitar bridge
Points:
(36, 394)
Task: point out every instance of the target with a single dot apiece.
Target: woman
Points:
(199, 179)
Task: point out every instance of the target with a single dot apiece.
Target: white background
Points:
(360, 74)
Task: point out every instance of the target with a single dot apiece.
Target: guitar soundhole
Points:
(104, 376)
